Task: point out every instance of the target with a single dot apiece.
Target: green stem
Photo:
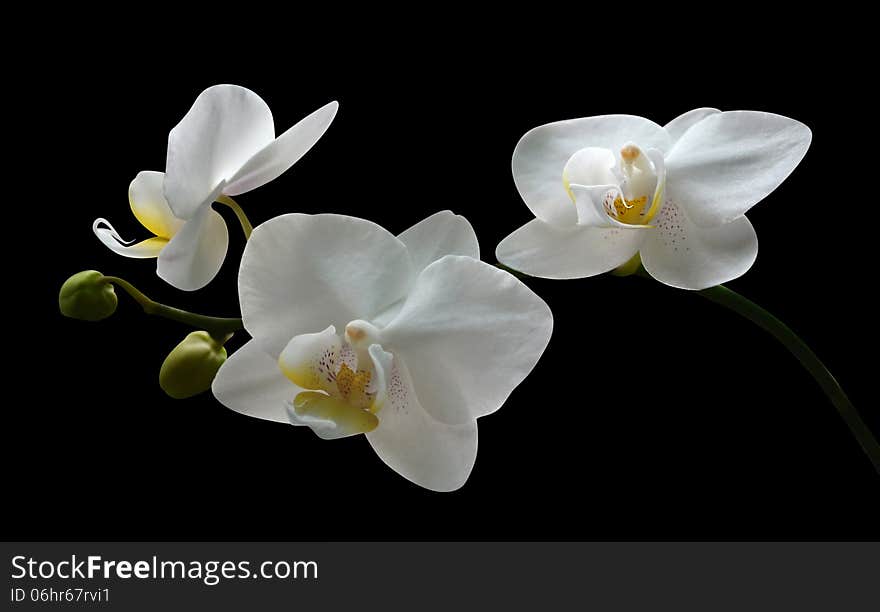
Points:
(220, 328)
(766, 321)
(246, 226)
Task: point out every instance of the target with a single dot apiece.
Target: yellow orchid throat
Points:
(341, 396)
(641, 179)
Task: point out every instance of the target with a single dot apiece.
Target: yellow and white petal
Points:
(728, 162)
(194, 256)
(423, 450)
(279, 155)
(542, 153)
(330, 417)
(311, 361)
(226, 126)
(128, 248)
(469, 334)
(250, 382)
(595, 206)
(682, 254)
(149, 206)
(443, 233)
(540, 249)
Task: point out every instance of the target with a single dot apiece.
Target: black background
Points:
(679, 421)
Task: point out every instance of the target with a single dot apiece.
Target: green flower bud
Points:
(190, 368)
(88, 296)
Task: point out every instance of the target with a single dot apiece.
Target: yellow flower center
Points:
(629, 211)
(335, 379)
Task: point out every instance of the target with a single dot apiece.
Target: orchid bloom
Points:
(609, 190)
(405, 339)
(224, 146)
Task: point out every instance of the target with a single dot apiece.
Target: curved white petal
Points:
(226, 126)
(541, 155)
(113, 241)
(416, 446)
(251, 383)
(469, 334)
(590, 166)
(540, 249)
(279, 155)
(301, 272)
(681, 124)
(681, 254)
(149, 206)
(728, 162)
(443, 233)
(194, 256)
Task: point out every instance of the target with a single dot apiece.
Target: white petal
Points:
(681, 124)
(300, 273)
(540, 249)
(419, 448)
(541, 155)
(195, 254)
(149, 206)
(251, 383)
(279, 155)
(469, 334)
(684, 255)
(443, 233)
(226, 126)
(113, 241)
(728, 162)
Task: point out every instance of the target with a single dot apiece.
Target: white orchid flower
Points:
(224, 146)
(606, 189)
(406, 339)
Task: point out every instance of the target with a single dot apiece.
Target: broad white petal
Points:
(226, 126)
(149, 206)
(443, 233)
(681, 124)
(681, 254)
(279, 155)
(251, 383)
(195, 254)
(416, 446)
(728, 162)
(541, 155)
(469, 334)
(301, 272)
(113, 241)
(540, 249)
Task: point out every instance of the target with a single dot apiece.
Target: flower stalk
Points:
(246, 226)
(220, 328)
(796, 346)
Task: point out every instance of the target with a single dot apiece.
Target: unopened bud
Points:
(88, 296)
(190, 368)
